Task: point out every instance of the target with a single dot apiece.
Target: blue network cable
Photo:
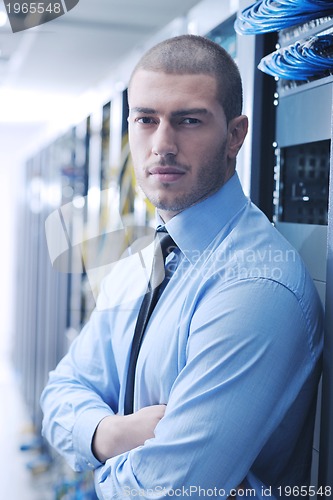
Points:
(302, 60)
(272, 15)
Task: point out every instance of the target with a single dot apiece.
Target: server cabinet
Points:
(301, 199)
(302, 66)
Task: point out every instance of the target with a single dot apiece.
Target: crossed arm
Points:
(117, 434)
(224, 405)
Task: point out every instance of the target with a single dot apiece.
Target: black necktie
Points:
(164, 245)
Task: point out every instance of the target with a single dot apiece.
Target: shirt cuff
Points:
(83, 432)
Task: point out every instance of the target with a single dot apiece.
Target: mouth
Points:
(167, 174)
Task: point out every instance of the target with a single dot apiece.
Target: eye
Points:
(145, 120)
(190, 121)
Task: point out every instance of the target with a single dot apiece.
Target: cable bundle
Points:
(302, 60)
(272, 15)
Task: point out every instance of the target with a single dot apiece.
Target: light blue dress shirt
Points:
(232, 348)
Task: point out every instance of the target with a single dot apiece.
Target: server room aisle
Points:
(17, 482)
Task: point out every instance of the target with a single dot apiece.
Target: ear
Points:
(237, 130)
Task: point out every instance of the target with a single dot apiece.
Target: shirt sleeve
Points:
(250, 352)
(81, 391)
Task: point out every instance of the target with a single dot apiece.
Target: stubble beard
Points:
(211, 177)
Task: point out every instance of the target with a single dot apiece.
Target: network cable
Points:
(302, 60)
(271, 15)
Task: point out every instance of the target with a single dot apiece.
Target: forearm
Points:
(118, 434)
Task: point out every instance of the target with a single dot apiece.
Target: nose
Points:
(164, 140)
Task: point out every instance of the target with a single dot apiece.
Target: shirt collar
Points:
(196, 227)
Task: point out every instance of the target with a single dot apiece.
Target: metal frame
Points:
(326, 440)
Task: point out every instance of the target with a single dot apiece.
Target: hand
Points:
(116, 434)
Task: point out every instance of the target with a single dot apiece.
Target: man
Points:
(226, 376)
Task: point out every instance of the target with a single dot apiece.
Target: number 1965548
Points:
(34, 8)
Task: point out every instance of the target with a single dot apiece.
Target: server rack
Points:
(302, 192)
(301, 199)
(302, 171)
(303, 164)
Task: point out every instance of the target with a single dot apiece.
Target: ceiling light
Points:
(3, 18)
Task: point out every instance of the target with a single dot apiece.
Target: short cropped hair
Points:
(192, 54)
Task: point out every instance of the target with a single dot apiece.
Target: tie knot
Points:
(165, 242)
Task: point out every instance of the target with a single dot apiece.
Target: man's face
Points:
(179, 139)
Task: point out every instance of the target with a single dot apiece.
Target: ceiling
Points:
(45, 67)
(78, 49)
